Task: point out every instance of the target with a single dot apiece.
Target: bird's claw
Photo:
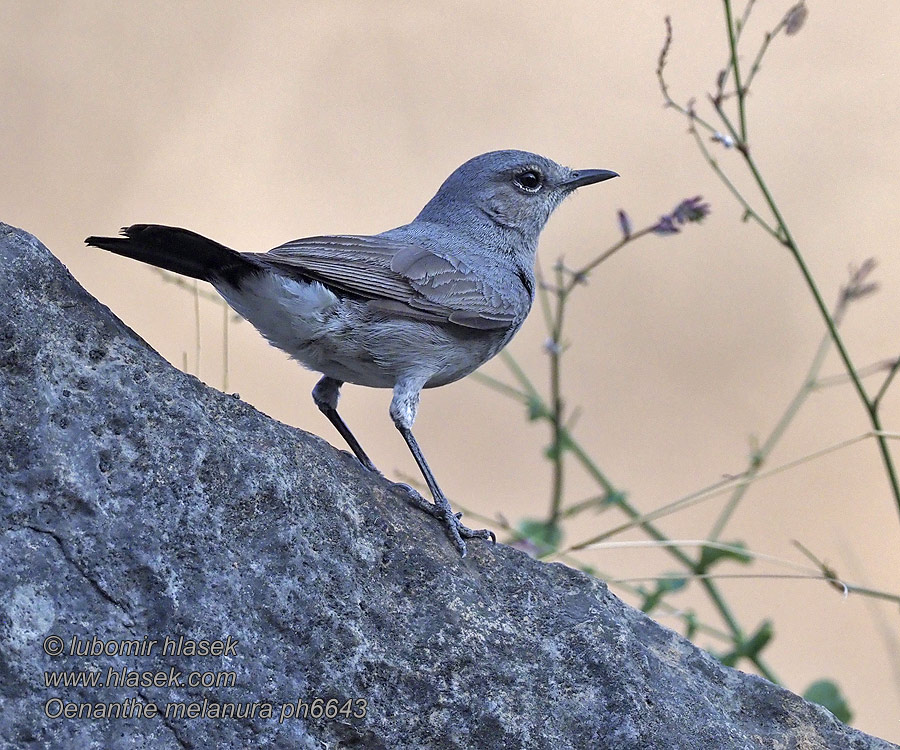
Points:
(456, 530)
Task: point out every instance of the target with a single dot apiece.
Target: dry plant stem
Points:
(564, 441)
(556, 400)
(761, 454)
(749, 211)
(787, 239)
(706, 493)
(737, 636)
(743, 22)
(737, 549)
(782, 233)
(171, 278)
(224, 349)
(227, 317)
(844, 588)
(754, 69)
(873, 593)
(736, 69)
(197, 324)
(664, 87)
(580, 275)
(554, 318)
(821, 572)
(829, 381)
(876, 402)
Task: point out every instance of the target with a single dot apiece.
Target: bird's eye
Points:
(529, 181)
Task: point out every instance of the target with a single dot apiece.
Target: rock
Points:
(141, 505)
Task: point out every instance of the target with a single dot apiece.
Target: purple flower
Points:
(795, 19)
(688, 211)
(666, 225)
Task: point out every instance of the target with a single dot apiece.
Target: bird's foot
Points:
(456, 529)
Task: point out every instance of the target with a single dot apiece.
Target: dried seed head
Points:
(795, 18)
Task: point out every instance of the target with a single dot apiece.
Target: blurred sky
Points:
(256, 123)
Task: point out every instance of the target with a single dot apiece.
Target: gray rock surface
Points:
(139, 504)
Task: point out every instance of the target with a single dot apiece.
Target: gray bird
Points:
(414, 307)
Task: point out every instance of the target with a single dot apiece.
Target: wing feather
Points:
(403, 278)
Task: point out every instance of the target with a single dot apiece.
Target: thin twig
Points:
(736, 71)
(782, 232)
(749, 211)
(870, 406)
(197, 324)
(725, 73)
(706, 543)
(876, 402)
(543, 296)
(828, 573)
(829, 381)
(224, 349)
(660, 75)
(556, 401)
(580, 274)
(724, 485)
(519, 374)
(761, 454)
(500, 386)
(190, 286)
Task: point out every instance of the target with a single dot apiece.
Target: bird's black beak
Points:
(582, 177)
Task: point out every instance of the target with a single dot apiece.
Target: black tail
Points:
(178, 250)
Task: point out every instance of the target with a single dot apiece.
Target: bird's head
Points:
(513, 192)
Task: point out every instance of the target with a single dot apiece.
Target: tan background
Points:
(256, 123)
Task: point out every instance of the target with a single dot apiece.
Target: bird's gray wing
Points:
(402, 278)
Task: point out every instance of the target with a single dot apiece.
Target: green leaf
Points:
(545, 535)
(711, 555)
(750, 648)
(759, 640)
(663, 586)
(536, 409)
(826, 693)
(651, 601)
(690, 624)
(671, 584)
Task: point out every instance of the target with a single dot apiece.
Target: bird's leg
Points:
(404, 406)
(325, 395)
